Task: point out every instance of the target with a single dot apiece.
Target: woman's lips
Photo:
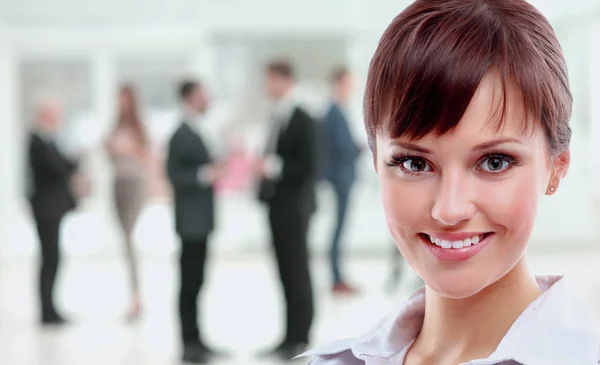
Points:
(456, 246)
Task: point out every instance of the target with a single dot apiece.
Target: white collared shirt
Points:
(280, 115)
(193, 119)
(47, 137)
(553, 330)
(282, 109)
(196, 122)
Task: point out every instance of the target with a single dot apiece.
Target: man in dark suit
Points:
(288, 174)
(340, 155)
(50, 198)
(192, 172)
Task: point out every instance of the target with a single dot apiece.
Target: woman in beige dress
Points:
(128, 148)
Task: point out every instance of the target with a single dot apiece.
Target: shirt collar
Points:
(552, 330)
(193, 119)
(45, 135)
(341, 106)
(283, 108)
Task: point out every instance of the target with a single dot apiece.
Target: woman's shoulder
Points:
(387, 339)
(333, 353)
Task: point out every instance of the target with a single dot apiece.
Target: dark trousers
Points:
(192, 261)
(289, 222)
(48, 228)
(342, 195)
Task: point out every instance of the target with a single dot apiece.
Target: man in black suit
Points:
(192, 173)
(288, 174)
(51, 198)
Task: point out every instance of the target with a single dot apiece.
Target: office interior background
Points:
(82, 51)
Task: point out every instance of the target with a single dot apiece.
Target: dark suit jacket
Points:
(194, 200)
(339, 149)
(51, 196)
(297, 146)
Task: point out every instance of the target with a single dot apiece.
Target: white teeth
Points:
(456, 244)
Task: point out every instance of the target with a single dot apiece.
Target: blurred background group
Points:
(93, 94)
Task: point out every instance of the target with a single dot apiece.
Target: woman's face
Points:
(474, 192)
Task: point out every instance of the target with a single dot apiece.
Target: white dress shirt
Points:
(196, 122)
(553, 330)
(281, 113)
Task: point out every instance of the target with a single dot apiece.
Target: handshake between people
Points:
(212, 173)
(239, 172)
(268, 167)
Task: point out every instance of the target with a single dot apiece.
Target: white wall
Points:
(8, 129)
(235, 15)
(594, 97)
(49, 30)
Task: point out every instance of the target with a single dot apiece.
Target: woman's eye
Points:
(495, 163)
(415, 165)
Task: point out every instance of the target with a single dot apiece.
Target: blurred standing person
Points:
(51, 198)
(395, 276)
(192, 173)
(128, 148)
(340, 155)
(288, 174)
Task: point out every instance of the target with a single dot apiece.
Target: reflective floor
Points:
(241, 310)
(241, 307)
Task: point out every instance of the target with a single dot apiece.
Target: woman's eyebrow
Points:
(482, 146)
(496, 142)
(410, 146)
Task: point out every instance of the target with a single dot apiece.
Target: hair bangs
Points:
(432, 58)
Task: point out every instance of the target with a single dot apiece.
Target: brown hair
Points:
(131, 117)
(433, 56)
(281, 68)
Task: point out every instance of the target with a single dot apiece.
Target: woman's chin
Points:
(455, 289)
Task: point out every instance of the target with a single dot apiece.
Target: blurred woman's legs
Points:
(129, 201)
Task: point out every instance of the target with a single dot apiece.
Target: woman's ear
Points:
(560, 168)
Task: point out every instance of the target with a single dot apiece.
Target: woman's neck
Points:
(460, 330)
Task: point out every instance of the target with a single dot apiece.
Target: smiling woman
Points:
(467, 108)
(476, 183)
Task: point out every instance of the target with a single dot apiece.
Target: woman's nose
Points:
(453, 202)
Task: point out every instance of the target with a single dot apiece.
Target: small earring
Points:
(552, 188)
